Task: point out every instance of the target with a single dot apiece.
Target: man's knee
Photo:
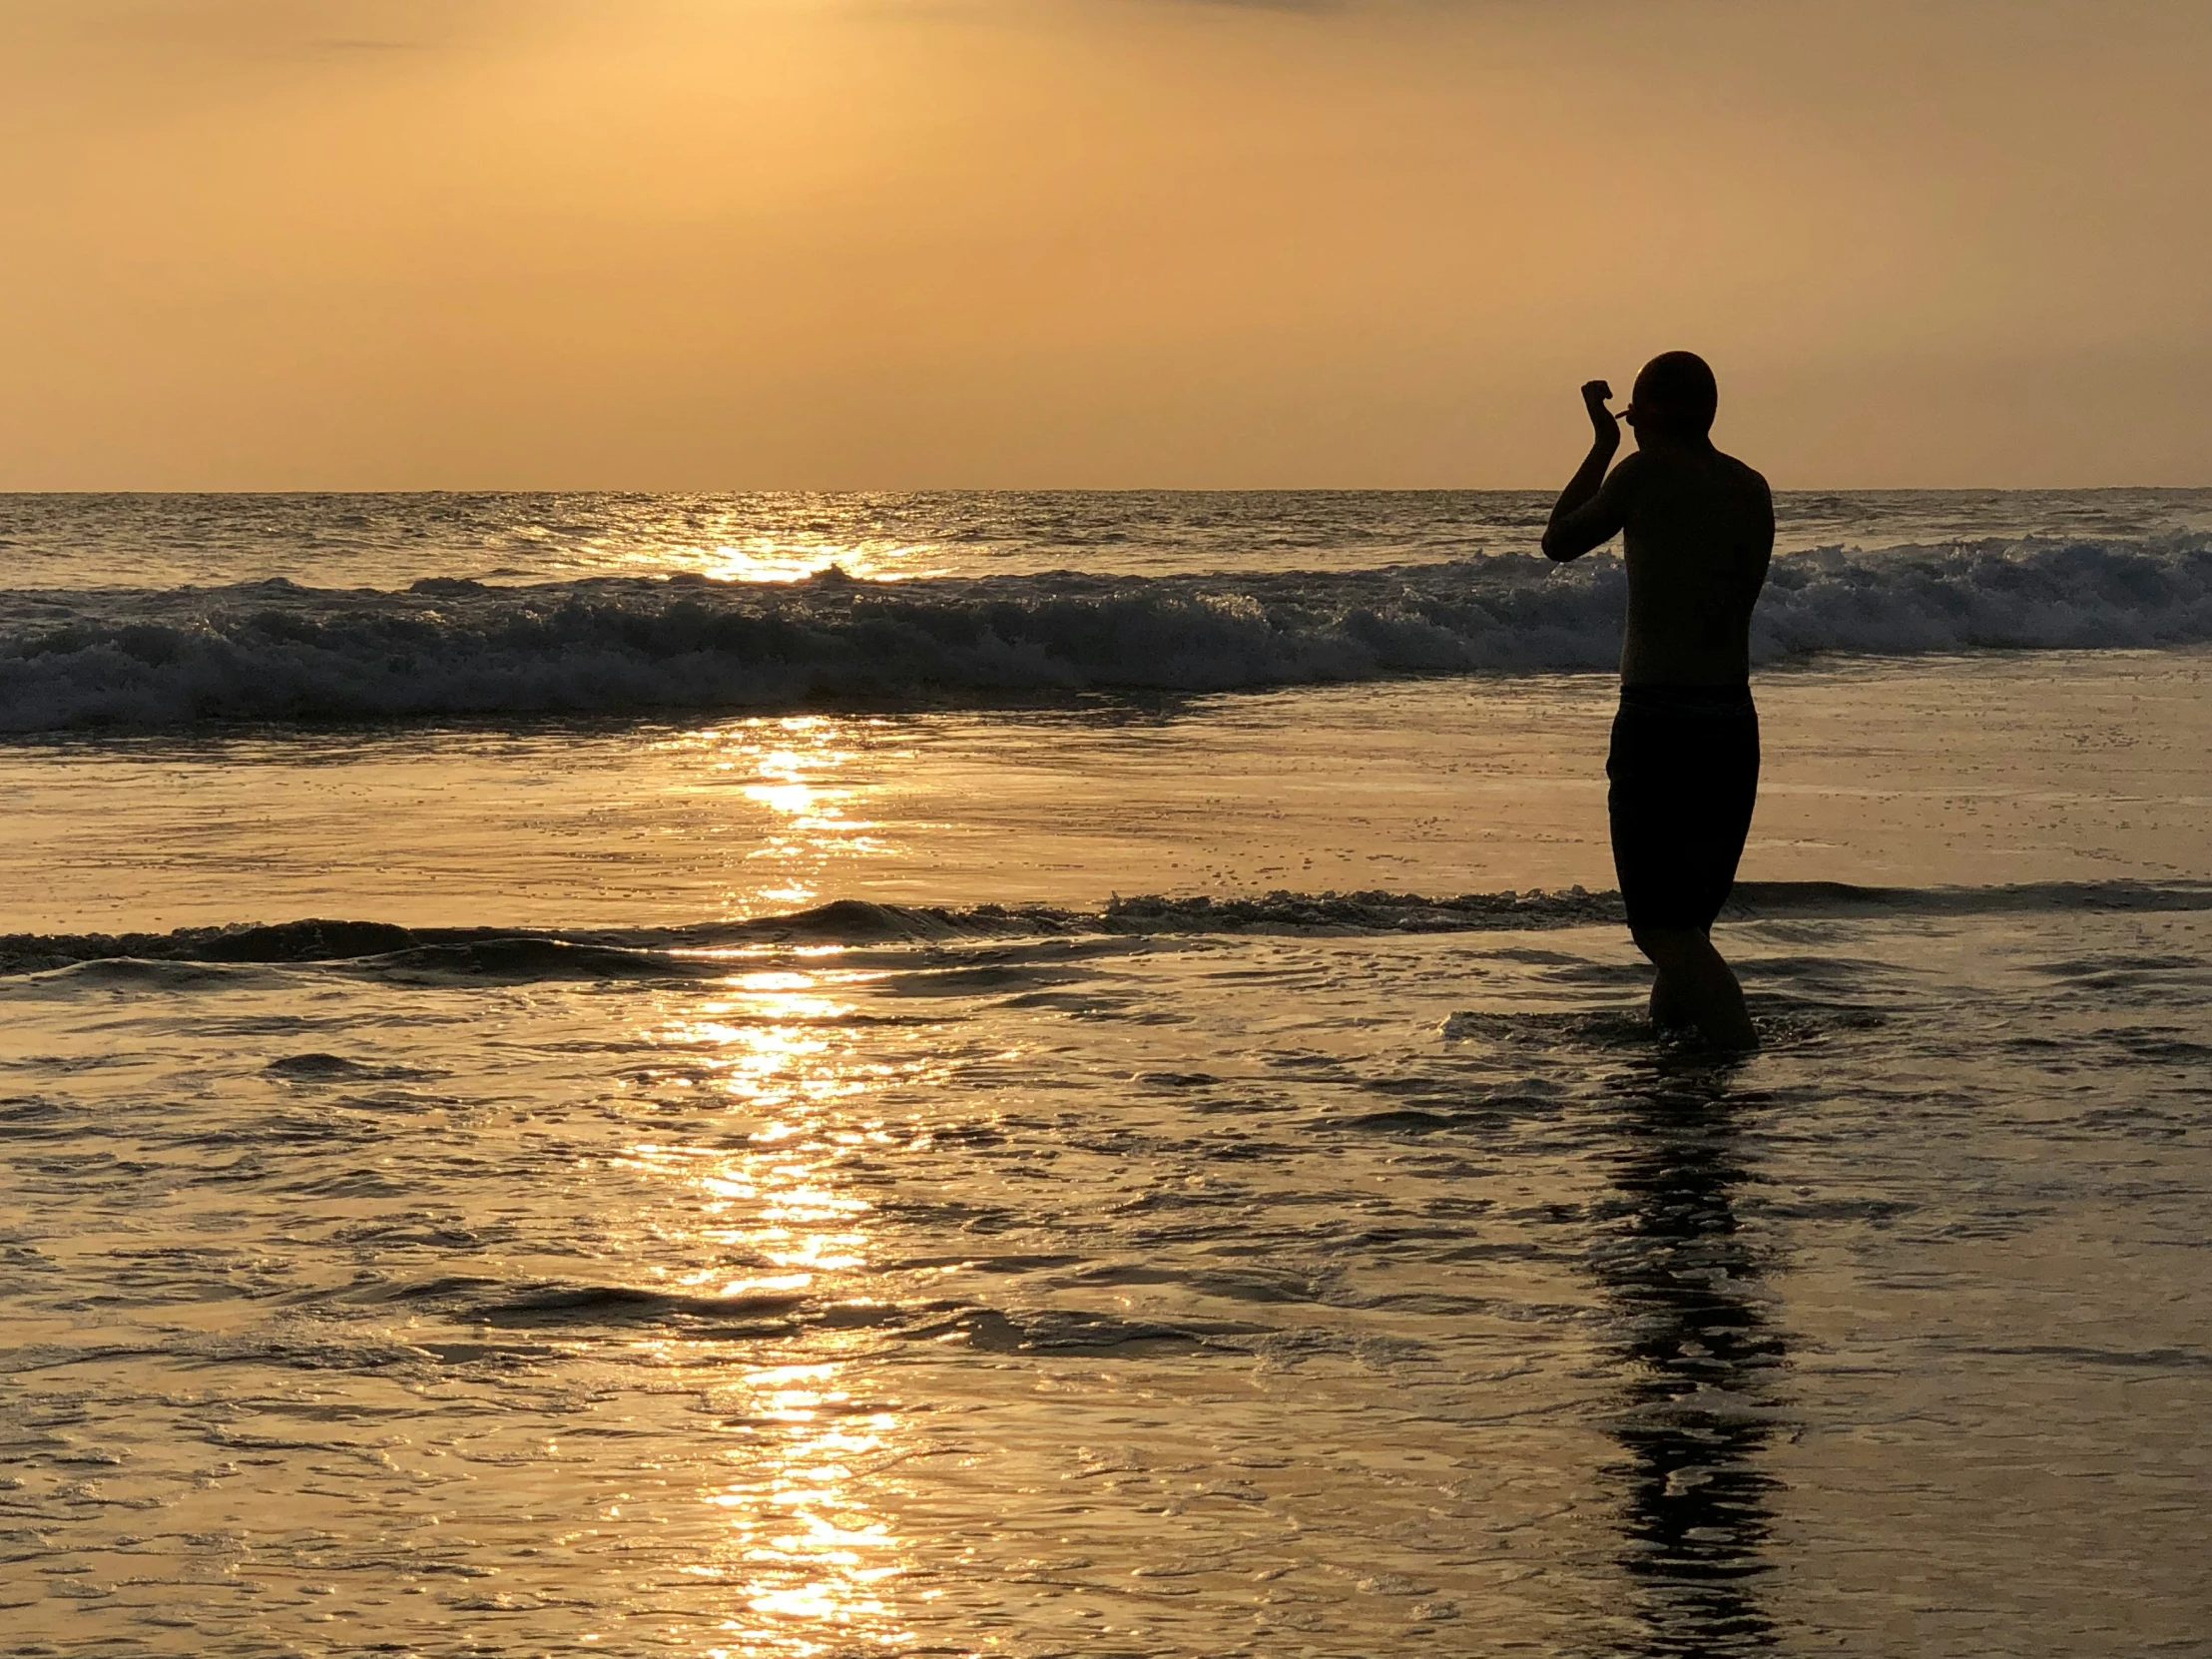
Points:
(1665, 944)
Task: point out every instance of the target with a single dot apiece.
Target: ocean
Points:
(1062, 1073)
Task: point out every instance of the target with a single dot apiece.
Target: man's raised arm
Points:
(1593, 507)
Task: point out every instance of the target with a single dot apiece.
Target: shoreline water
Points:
(1972, 772)
(999, 1180)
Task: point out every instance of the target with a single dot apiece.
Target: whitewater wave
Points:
(708, 949)
(275, 652)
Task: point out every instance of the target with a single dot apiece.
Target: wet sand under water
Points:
(1980, 771)
(1185, 1293)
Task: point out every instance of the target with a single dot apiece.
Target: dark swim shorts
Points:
(1685, 772)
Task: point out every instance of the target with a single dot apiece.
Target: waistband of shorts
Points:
(1726, 699)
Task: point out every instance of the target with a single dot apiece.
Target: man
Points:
(1685, 758)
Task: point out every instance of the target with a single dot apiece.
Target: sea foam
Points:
(277, 652)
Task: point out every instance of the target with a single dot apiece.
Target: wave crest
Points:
(277, 652)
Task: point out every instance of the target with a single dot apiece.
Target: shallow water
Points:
(1147, 1295)
(1975, 772)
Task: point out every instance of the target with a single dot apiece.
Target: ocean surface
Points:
(810, 1076)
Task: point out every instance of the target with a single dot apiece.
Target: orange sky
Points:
(889, 243)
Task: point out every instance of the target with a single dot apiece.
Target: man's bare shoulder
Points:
(1744, 473)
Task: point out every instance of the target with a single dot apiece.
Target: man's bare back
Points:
(1699, 530)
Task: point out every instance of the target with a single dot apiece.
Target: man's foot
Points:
(1696, 988)
(1729, 1036)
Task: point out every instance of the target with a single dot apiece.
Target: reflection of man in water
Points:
(1685, 759)
(1702, 1362)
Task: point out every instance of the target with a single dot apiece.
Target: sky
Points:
(1115, 243)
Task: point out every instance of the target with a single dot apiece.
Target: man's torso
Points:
(1699, 534)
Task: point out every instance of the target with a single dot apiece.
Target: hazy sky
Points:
(889, 243)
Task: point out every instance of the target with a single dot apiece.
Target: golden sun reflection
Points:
(800, 558)
(796, 772)
(810, 1562)
(804, 1564)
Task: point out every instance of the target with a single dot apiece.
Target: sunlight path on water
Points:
(807, 1563)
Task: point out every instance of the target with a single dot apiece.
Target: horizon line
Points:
(1057, 490)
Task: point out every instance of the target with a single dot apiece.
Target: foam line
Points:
(710, 949)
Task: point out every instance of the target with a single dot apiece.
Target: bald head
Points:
(1675, 396)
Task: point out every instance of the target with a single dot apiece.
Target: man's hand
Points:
(1603, 421)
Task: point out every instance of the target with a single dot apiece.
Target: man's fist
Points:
(1603, 421)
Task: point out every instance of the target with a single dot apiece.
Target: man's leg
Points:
(1695, 987)
(1672, 1006)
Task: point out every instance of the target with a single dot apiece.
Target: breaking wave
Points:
(277, 652)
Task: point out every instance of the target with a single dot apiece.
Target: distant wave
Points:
(705, 949)
(275, 652)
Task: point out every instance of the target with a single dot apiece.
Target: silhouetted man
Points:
(1685, 759)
